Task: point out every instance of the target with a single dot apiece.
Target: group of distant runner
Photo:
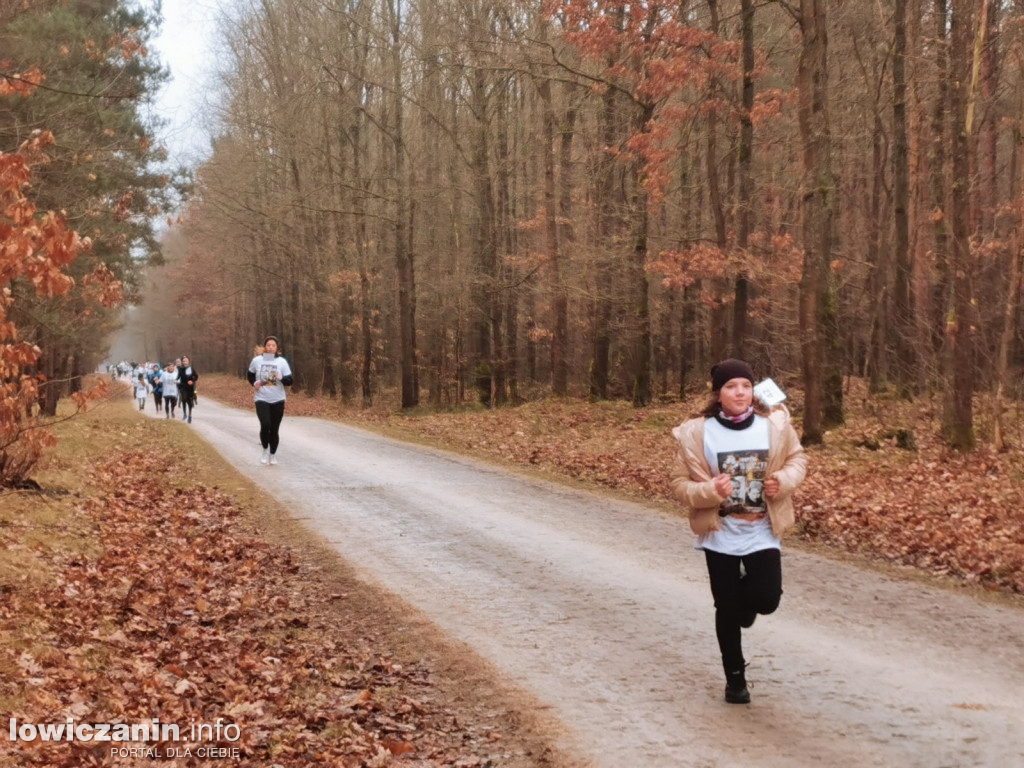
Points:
(175, 384)
(171, 385)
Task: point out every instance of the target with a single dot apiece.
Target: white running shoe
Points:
(273, 458)
(265, 457)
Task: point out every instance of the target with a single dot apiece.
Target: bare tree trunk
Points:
(958, 413)
(403, 251)
(878, 261)
(640, 344)
(817, 301)
(938, 161)
(903, 289)
(990, 68)
(360, 195)
(719, 323)
(551, 244)
(745, 186)
(557, 204)
(511, 352)
(608, 234)
(639, 351)
(567, 235)
(1006, 338)
(689, 327)
(78, 372)
(488, 325)
(53, 386)
(507, 298)
(919, 208)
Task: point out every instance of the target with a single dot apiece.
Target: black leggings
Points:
(760, 591)
(270, 415)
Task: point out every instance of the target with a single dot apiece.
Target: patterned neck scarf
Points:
(737, 419)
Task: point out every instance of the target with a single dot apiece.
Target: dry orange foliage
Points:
(35, 248)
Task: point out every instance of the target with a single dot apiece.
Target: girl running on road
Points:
(736, 466)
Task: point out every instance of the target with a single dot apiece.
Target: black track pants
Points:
(270, 415)
(736, 594)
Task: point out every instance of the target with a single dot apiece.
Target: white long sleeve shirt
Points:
(170, 380)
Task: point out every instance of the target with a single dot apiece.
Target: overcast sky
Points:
(185, 45)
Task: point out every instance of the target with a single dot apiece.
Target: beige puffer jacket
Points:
(694, 486)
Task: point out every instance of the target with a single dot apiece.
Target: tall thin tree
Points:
(818, 309)
(958, 410)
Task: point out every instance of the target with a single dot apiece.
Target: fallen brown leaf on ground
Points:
(147, 595)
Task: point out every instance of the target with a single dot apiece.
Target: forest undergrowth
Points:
(883, 487)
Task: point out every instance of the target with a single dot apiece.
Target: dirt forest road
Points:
(600, 609)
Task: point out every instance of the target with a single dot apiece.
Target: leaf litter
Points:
(167, 606)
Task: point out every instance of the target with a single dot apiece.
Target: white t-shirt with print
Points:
(270, 370)
(742, 453)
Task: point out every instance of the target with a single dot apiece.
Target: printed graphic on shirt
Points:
(747, 469)
(268, 373)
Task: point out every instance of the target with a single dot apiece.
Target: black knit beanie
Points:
(729, 369)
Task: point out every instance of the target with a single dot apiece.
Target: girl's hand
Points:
(723, 485)
(771, 487)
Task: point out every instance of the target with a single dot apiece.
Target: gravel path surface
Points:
(600, 609)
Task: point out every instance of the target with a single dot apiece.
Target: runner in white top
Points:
(170, 386)
(269, 374)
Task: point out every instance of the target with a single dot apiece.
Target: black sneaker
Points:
(736, 688)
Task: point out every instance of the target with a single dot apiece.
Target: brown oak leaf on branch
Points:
(36, 249)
